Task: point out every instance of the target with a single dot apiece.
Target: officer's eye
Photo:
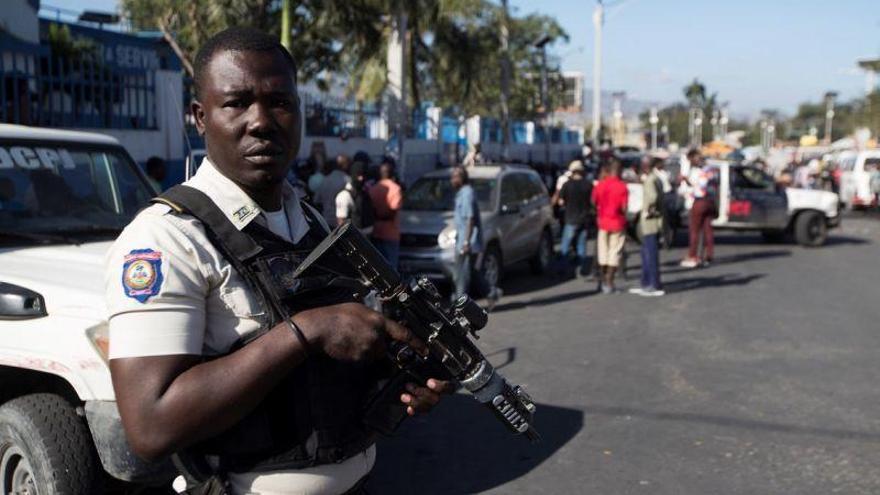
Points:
(234, 103)
(283, 103)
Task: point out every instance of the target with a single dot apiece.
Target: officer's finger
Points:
(420, 398)
(402, 334)
(441, 386)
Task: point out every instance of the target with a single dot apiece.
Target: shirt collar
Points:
(240, 208)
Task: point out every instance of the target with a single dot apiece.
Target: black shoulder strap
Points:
(223, 234)
(235, 246)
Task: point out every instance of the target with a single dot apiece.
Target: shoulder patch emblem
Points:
(142, 274)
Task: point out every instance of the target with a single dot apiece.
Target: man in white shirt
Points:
(185, 374)
(333, 183)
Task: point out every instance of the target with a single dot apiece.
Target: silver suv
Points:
(515, 212)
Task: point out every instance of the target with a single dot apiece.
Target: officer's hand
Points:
(422, 399)
(352, 332)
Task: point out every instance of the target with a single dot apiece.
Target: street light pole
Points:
(829, 115)
(654, 119)
(598, 20)
(617, 130)
(725, 119)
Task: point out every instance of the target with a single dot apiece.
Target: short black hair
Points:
(238, 39)
(692, 153)
(459, 169)
(154, 163)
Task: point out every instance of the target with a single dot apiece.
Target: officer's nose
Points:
(259, 119)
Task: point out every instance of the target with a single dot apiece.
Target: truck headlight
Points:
(446, 239)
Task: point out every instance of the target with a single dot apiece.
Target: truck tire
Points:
(45, 448)
(544, 255)
(810, 229)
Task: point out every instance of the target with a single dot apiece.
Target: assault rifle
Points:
(445, 329)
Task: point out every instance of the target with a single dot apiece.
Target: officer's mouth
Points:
(263, 155)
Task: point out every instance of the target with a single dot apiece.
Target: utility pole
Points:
(653, 120)
(396, 62)
(698, 128)
(285, 24)
(829, 115)
(715, 121)
(598, 20)
(617, 129)
(541, 44)
(725, 119)
(505, 83)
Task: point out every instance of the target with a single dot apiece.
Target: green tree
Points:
(450, 44)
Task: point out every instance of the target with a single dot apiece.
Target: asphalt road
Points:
(758, 375)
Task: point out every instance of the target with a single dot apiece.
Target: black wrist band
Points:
(299, 336)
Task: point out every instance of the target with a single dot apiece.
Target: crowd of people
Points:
(596, 204)
(351, 189)
(591, 199)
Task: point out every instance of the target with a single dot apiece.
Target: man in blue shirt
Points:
(468, 237)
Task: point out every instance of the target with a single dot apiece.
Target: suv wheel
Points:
(45, 448)
(492, 266)
(542, 258)
(810, 229)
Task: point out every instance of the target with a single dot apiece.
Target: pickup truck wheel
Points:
(810, 229)
(45, 448)
(541, 261)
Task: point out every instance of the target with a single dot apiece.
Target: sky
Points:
(756, 54)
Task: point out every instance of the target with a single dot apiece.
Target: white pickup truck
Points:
(64, 197)
(749, 199)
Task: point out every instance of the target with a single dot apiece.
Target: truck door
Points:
(754, 199)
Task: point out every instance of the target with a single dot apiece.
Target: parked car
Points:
(64, 197)
(855, 178)
(515, 212)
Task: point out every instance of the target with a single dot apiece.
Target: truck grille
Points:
(418, 240)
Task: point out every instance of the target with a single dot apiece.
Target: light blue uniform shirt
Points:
(465, 209)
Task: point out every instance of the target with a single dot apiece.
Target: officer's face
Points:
(248, 111)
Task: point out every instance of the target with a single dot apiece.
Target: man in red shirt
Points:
(610, 197)
(387, 199)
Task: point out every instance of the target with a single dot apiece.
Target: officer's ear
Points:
(198, 113)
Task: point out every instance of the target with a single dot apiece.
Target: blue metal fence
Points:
(46, 89)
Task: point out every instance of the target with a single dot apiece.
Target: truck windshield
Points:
(436, 194)
(58, 191)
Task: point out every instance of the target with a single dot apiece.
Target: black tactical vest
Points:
(315, 415)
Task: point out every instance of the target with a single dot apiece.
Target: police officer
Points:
(254, 392)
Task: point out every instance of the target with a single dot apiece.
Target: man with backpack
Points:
(353, 203)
